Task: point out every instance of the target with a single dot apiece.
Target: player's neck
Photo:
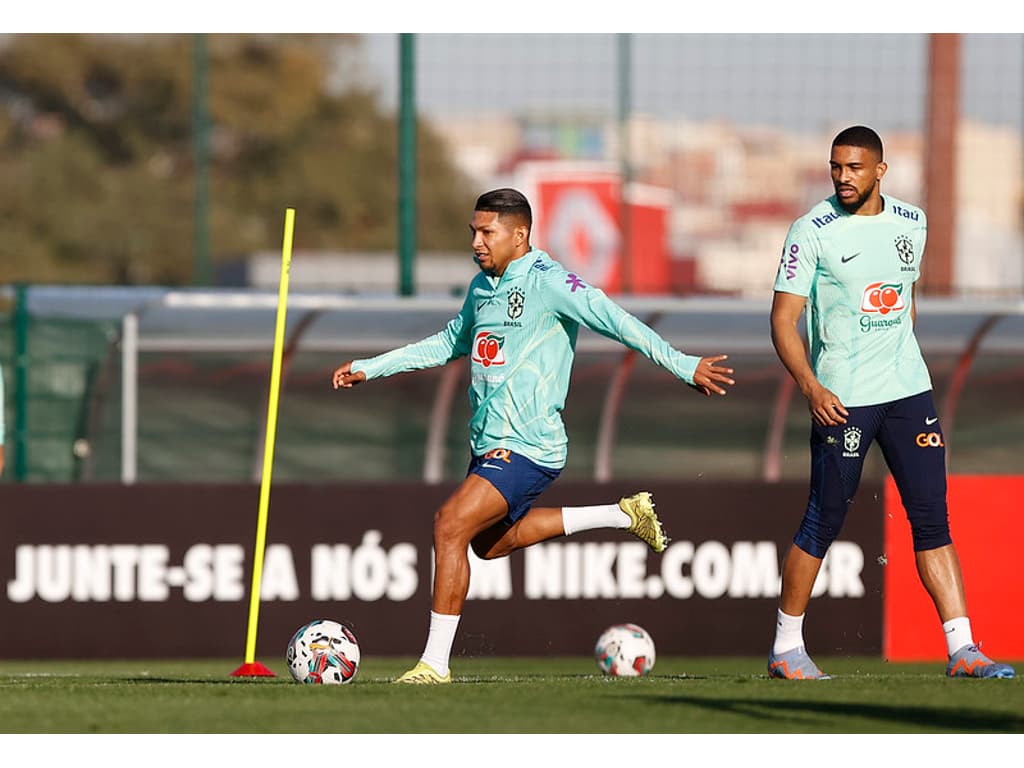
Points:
(873, 206)
(522, 252)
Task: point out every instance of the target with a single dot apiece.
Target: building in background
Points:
(736, 128)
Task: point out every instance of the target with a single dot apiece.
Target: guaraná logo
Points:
(487, 349)
(883, 298)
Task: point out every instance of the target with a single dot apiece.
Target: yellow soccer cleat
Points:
(424, 674)
(643, 523)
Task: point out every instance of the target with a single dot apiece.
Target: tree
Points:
(96, 150)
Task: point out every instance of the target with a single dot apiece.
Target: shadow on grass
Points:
(822, 713)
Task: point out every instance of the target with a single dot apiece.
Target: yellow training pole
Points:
(251, 667)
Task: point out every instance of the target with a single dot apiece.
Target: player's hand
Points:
(344, 378)
(826, 409)
(711, 378)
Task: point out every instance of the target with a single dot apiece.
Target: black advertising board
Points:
(147, 571)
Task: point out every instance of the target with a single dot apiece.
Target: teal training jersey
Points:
(519, 332)
(857, 273)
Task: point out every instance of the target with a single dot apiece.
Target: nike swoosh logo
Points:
(491, 466)
(932, 420)
(850, 258)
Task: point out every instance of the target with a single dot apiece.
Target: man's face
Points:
(495, 242)
(855, 175)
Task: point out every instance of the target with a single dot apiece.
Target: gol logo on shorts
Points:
(501, 454)
(929, 440)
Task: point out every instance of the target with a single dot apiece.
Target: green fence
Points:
(54, 393)
(203, 378)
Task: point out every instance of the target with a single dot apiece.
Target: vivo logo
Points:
(790, 261)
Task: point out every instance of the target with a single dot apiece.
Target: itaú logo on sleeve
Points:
(487, 349)
(883, 298)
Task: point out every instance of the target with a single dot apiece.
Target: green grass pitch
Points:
(503, 696)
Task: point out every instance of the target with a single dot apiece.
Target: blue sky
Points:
(805, 81)
(798, 64)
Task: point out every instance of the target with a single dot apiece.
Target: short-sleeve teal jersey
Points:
(519, 332)
(858, 273)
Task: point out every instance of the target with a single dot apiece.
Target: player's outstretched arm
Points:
(712, 378)
(345, 379)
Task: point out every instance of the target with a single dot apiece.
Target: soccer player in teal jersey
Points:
(853, 261)
(518, 326)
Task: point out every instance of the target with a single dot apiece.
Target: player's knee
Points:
(929, 523)
(448, 525)
(930, 536)
(820, 527)
(812, 542)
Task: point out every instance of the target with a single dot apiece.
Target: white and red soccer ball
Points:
(625, 650)
(323, 652)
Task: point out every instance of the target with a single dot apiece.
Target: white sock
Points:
(576, 519)
(958, 634)
(439, 641)
(789, 632)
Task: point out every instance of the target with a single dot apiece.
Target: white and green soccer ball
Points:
(323, 652)
(625, 650)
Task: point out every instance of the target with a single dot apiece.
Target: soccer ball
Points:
(323, 653)
(625, 650)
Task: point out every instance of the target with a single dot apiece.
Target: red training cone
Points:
(252, 669)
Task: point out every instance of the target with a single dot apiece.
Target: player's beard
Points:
(489, 271)
(859, 201)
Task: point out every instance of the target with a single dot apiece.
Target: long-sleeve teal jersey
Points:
(519, 331)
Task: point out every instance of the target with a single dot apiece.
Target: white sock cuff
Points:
(789, 632)
(576, 519)
(440, 639)
(786, 620)
(958, 634)
(444, 618)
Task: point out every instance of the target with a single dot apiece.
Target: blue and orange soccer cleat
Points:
(969, 661)
(794, 665)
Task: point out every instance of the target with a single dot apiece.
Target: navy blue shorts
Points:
(910, 437)
(517, 478)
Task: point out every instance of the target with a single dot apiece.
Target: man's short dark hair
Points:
(859, 136)
(506, 202)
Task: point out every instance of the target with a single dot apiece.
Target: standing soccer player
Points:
(518, 325)
(853, 260)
